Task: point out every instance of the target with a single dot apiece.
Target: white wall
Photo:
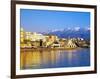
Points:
(5, 40)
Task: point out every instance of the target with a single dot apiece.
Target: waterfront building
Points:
(37, 37)
(22, 38)
(35, 44)
(27, 36)
(50, 39)
(80, 39)
(56, 44)
(62, 42)
(70, 44)
(22, 34)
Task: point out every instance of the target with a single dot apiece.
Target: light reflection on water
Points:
(55, 58)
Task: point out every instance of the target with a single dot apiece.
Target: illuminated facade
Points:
(71, 44)
(22, 35)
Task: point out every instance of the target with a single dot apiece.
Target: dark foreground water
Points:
(55, 58)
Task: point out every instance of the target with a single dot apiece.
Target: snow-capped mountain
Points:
(72, 33)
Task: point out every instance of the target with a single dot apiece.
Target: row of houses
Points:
(33, 39)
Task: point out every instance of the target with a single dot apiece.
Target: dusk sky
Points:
(45, 20)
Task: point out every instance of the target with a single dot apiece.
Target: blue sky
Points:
(45, 20)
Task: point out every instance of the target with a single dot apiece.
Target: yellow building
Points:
(22, 38)
(28, 36)
(50, 39)
(22, 34)
(29, 39)
(53, 38)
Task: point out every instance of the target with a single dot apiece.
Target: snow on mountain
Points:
(72, 32)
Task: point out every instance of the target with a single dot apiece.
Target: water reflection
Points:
(54, 58)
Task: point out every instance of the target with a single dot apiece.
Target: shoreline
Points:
(41, 49)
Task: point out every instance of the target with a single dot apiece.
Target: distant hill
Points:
(72, 33)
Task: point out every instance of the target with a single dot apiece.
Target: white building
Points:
(37, 37)
(71, 44)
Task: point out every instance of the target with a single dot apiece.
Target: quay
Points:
(47, 49)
